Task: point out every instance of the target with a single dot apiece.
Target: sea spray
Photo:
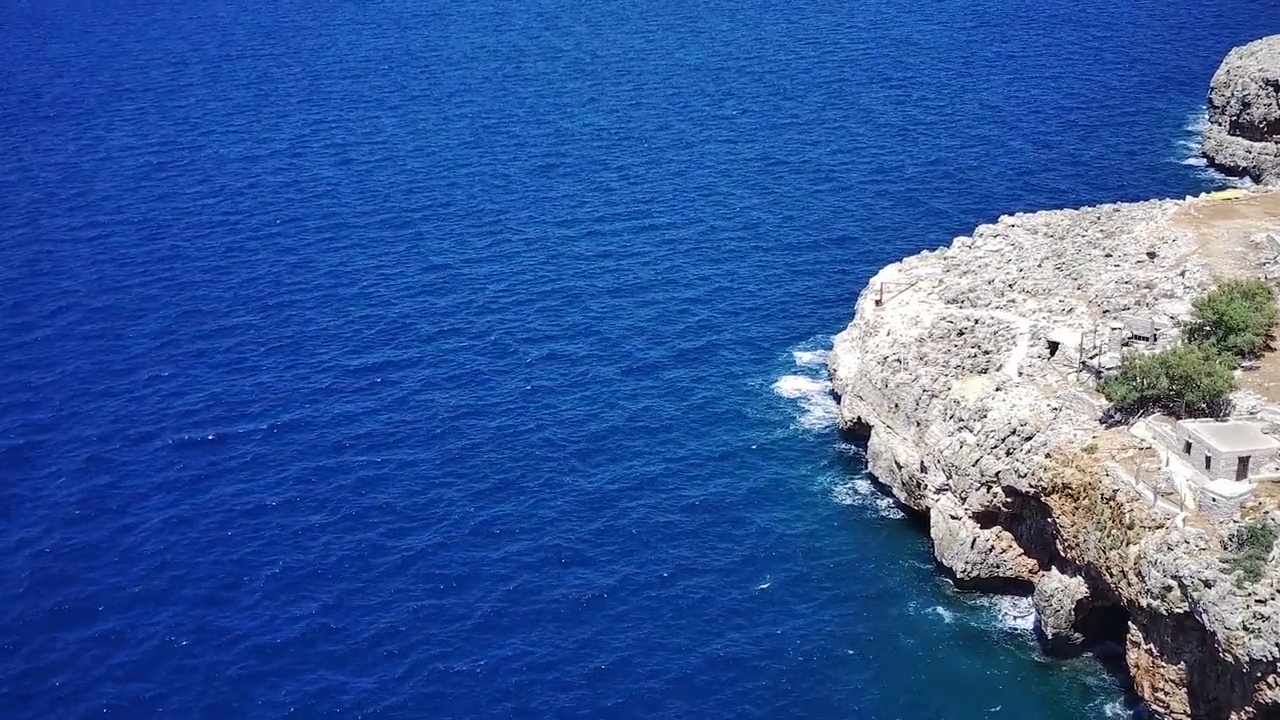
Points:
(809, 387)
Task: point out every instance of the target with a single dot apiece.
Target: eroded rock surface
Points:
(1059, 600)
(962, 364)
(1243, 134)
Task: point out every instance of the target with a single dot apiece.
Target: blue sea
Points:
(437, 359)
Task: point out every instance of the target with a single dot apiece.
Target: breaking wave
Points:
(994, 612)
(1122, 707)
(809, 387)
(1189, 152)
(947, 616)
(1011, 611)
(799, 387)
(818, 408)
(1189, 144)
(860, 492)
(810, 358)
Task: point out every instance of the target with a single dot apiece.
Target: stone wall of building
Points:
(1217, 507)
(1222, 465)
(1204, 457)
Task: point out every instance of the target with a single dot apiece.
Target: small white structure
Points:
(1222, 499)
(1065, 347)
(1228, 456)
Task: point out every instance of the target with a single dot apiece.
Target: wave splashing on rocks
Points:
(811, 389)
(860, 492)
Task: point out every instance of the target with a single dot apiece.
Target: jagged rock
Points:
(1243, 133)
(1057, 601)
(1161, 681)
(975, 554)
(962, 365)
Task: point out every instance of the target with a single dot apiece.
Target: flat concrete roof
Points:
(1236, 437)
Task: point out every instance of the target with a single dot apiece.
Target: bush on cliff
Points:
(1253, 543)
(1190, 380)
(1236, 318)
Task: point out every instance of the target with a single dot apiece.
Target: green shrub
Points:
(1189, 380)
(1236, 318)
(1253, 543)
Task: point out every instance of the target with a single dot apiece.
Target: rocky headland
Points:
(966, 370)
(1243, 133)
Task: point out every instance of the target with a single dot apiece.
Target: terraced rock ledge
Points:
(968, 370)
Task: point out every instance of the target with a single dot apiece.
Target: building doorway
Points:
(1242, 467)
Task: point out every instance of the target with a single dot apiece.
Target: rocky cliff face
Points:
(1243, 137)
(960, 367)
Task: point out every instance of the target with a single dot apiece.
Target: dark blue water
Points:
(453, 360)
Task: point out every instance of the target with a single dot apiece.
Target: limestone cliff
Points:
(1243, 135)
(961, 367)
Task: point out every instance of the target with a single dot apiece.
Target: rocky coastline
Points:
(964, 372)
(1243, 132)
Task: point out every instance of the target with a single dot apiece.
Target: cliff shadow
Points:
(856, 432)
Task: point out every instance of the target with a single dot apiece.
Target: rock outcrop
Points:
(1243, 133)
(962, 370)
(1059, 602)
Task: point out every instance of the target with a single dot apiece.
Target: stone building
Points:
(1139, 330)
(1237, 449)
(1228, 457)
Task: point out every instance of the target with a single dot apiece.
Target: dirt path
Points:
(1234, 235)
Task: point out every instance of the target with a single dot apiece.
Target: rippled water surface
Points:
(452, 360)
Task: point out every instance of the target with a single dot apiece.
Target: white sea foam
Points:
(811, 390)
(1220, 179)
(947, 616)
(860, 492)
(809, 387)
(1116, 709)
(1000, 613)
(1189, 147)
(1198, 121)
(818, 408)
(810, 358)
(1191, 144)
(851, 449)
(1189, 152)
(1012, 611)
(800, 386)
